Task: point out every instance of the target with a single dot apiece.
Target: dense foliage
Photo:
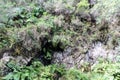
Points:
(32, 32)
(102, 71)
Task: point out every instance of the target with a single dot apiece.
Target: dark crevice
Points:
(46, 53)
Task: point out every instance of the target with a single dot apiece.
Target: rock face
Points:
(62, 24)
(72, 57)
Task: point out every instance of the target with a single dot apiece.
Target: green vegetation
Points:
(34, 72)
(102, 71)
(37, 30)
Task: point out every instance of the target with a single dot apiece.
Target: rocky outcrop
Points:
(72, 57)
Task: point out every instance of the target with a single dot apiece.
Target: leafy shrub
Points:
(34, 72)
(105, 71)
(20, 15)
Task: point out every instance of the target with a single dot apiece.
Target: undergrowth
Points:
(28, 27)
(37, 71)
